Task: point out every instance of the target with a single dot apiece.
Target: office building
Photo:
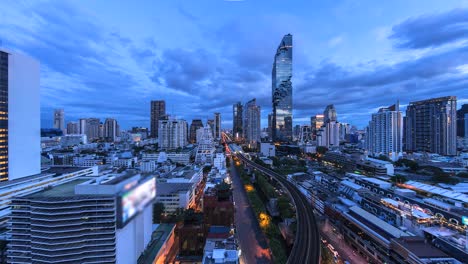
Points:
(82, 125)
(218, 206)
(282, 91)
(251, 122)
(237, 116)
(110, 129)
(20, 147)
(329, 114)
(158, 112)
(206, 147)
(87, 220)
(462, 121)
(176, 195)
(211, 123)
(172, 134)
(90, 127)
(217, 126)
(316, 122)
(270, 126)
(59, 120)
(384, 135)
(73, 128)
(430, 126)
(329, 135)
(196, 124)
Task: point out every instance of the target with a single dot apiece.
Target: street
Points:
(253, 244)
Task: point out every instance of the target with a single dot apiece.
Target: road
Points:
(306, 247)
(253, 244)
(336, 240)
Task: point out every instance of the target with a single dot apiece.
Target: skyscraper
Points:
(110, 129)
(430, 126)
(59, 120)
(237, 120)
(196, 124)
(384, 135)
(251, 122)
(329, 114)
(282, 91)
(20, 148)
(158, 112)
(462, 122)
(92, 128)
(217, 126)
(172, 134)
(73, 128)
(316, 122)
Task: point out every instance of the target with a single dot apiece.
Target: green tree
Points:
(322, 150)
(158, 210)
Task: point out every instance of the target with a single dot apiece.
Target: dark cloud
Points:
(431, 30)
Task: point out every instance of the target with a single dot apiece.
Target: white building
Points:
(121, 218)
(73, 140)
(20, 116)
(172, 134)
(148, 165)
(384, 133)
(206, 147)
(219, 161)
(329, 135)
(176, 195)
(59, 120)
(267, 149)
(182, 157)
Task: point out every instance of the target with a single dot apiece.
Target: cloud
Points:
(432, 30)
(335, 41)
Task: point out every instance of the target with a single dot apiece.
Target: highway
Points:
(306, 247)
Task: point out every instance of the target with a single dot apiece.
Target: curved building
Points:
(282, 91)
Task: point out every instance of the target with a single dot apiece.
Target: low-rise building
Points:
(176, 196)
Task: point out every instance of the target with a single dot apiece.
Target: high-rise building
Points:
(252, 130)
(329, 135)
(217, 126)
(158, 112)
(329, 114)
(462, 121)
(237, 116)
(20, 144)
(211, 122)
(172, 134)
(86, 220)
(384, 135)
(270, 126)
(59, 120)
(206, 147)
(282, 91)
(194, 126)
(430, 126)
(92, 128)
(110, 129)
(316, 122)
(82, 126)
(73, 128)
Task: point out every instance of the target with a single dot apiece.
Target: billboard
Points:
(133, 201)
(465, 220)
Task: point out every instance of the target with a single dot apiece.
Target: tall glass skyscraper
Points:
(282, 91)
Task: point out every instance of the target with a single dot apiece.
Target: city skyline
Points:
(376, 60)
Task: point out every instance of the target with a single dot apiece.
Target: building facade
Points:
(252, 130)
(158, 112)
(59, 120)
(462, 121)
(329, 114)
(172, 134)
(430, 126)
(217, 126)
(384, 135)
(237, 123)
(110, 129)
(282, 91)
(196, 124)
(20, 147)
(73, 128)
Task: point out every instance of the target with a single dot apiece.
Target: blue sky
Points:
(110, 59)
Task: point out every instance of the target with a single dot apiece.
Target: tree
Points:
(384, 158)
(158, 210)
(411, 164)
(399, 179)
(463, 174)
(322, 150)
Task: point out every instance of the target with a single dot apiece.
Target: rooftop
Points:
(420, 248)
(169, 188)
(158, 238)
(63, 190)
